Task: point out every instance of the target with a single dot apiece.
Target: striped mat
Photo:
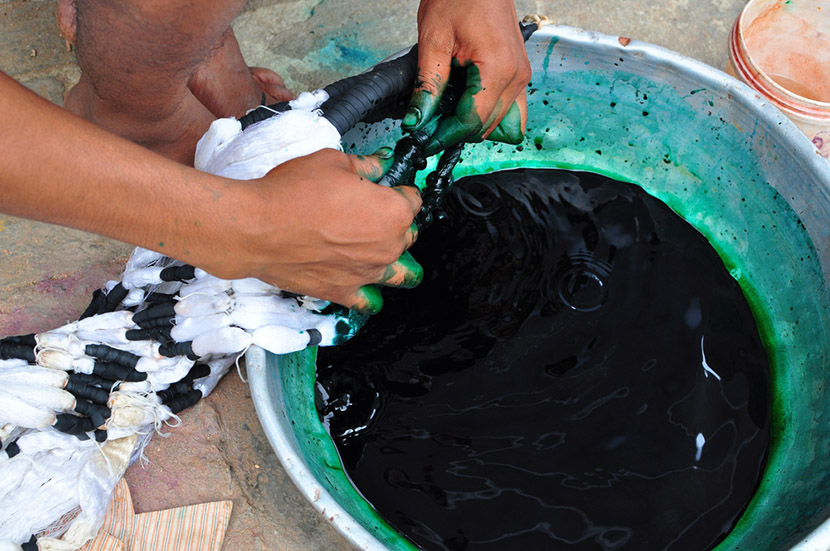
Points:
(192, 528)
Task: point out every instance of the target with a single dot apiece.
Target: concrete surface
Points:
(47, 273)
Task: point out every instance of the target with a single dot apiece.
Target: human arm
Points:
(484, 36)
(312, 225)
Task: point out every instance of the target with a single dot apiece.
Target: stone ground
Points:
(48, 273)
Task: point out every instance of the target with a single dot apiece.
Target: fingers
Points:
(373, 167)
(433, 73)
(483, 37)
(411, 235)
(466, 122)
(366, 300)
(356, 238)
(404, 273)
(512, 120)
(511, 129)
(272, 84)
(484, 108)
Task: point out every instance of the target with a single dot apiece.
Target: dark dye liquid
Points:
(578, 371)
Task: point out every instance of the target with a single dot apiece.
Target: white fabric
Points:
(67, 476)
(226, 150)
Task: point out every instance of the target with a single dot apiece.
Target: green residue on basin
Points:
(549, 53)
(704, 168)
(297, 374)
(675, 143)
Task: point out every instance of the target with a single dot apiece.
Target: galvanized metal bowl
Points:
(732, 166)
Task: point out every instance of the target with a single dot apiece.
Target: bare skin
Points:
(482, 35)
(87, 178)
(158, 73)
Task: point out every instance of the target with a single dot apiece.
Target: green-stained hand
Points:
(405, 272)
(315, 225)
(354, 237)
(484, 37)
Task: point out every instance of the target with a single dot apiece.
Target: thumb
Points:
(373, 167)
(433, 74)
(367, 300)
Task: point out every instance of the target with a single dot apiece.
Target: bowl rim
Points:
(257, 359)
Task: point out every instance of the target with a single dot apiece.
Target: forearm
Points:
(57, 168)
(313, 225)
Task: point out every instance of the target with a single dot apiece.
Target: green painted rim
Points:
(732, 168)
(297, 374)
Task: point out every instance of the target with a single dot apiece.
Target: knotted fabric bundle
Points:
(78, 404)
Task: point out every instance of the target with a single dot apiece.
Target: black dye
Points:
(578, 371)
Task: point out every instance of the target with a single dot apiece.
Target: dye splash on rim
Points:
(728, 162)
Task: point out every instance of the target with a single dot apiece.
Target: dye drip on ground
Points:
(577, 371)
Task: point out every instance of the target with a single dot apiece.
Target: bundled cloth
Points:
(78, 404)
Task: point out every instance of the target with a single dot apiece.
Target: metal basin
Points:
(733, 167)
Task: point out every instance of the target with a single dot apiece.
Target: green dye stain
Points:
(713, 166)
(344, 53)
(549, 52)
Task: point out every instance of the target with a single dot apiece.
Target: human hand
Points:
(315, 225)
(318, 226)
(484, 37)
